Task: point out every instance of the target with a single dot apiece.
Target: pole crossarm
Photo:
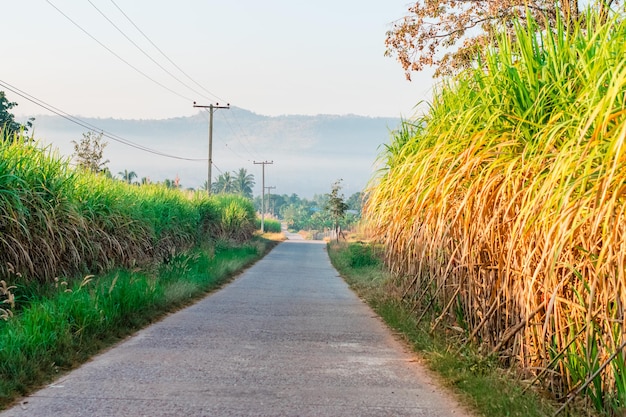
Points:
(212, 108)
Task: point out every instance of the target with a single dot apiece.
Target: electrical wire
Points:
(235, 153)
(90, 126)
(246, 148)
(219, 170)
(163, 53)
(144, 52)
(116, 55)
(237, 137)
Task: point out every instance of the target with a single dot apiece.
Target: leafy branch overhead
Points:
(450, 34)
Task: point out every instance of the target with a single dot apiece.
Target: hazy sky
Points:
(268, 56)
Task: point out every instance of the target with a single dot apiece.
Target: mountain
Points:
(308, 152)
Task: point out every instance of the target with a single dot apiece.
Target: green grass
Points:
(59, 326)
(269, 225)
(481, 383)
(61, 221)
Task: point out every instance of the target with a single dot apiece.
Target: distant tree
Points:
(336, 206)
(8, 126)
(355, 201)
(145, 180)
(127, 176)
(173, 184)
(243, 183)
(225, 184)
(278, 202)
(88, 153)
(451, 34)
(293, 199)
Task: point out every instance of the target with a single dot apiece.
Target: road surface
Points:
(287, 338)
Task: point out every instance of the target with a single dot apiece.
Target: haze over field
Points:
(309, 152)
(151, 60)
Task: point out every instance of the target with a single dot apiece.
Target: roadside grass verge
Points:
(55, 328)
(486, 389)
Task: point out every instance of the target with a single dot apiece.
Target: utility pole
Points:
(269, 198)
(212, 108)
(263, 193)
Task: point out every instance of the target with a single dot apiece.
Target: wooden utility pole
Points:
(212, 108)
(263, 193)
(269, 198)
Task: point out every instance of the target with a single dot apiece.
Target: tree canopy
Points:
(89, 152)
(8, 125)
(237, 182)
(127, 176)
(336, 206)
(450, 34)
(244, 182)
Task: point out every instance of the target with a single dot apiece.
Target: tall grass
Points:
(503, 209)
(61, 327)
(270, 225)
(57, 221)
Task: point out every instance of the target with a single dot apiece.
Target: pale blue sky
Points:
(271, 57)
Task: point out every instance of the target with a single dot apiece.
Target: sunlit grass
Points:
(67, 323)
(476, 379)
(503, 208)
(58, 221)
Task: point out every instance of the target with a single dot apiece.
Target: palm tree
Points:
(243, 183)
(172, 184)
(224, 184)
(127, 176)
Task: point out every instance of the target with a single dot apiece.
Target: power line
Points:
(245, 136)
(237, 138)
(116, 55)
(218, 170)
(88, 125)
(163, 53)
(235, 153)
(247, 148)
(142, 50)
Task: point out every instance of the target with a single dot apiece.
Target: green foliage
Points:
(336, 206)
(127, 176)
(65, 324)
(236, 217)
(237, 182)
(269, 225)
(225, 184)
(303, 214)
(9, 128)
(243, 183)
(57, 221)
(361, 254)
(89, 152)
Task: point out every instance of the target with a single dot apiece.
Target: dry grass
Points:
(505, 207)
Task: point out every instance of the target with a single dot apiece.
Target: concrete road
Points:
(287, 338)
